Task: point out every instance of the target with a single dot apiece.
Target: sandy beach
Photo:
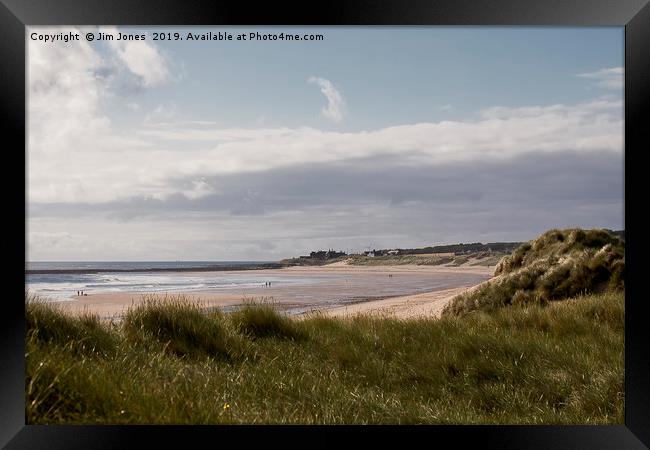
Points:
(337, 290)
(428, 304)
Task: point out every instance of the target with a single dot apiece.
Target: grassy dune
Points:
(556, 265)
(473, 259)
(483, 258)
(398, 260)
(170, 362)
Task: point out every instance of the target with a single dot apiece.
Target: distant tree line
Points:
(456, 249)
(325, 254)
(461, 249)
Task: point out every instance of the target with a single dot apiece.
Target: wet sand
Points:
(337, 290)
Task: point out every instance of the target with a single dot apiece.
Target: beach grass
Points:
(556, 265)
(174, 363)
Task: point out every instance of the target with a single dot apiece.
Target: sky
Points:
(373, 137)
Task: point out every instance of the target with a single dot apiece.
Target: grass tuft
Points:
(47, 324)
(181, 325)
(262, 321)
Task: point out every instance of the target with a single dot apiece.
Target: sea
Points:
(60, 280)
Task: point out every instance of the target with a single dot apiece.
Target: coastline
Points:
(425, 305)
(211, 268)
(340, 290)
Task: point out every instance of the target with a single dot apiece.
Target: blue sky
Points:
(395, 136)
(388, 75)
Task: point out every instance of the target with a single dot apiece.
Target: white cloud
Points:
(64, 92)
(608, 78)
(199, 188)
(499, 133)
(141, 58)
(75, 155)
(335, 104)
(146, 162)
(161, 114)
(70, 140)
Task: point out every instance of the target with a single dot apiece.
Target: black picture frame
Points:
(634, 15)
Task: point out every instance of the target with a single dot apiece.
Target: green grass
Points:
(170, 363)
(181, 326)
(260, 321)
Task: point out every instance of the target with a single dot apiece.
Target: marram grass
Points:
(556, 265)
(172, 363)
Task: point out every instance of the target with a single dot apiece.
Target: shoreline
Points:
(230, 268)
(335, 290)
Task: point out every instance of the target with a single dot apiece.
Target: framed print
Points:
(411, 216)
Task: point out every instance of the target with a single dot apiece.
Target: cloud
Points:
(75, 155)
(47, 239)
(141, 58)
(73, 150)
(608, 78)
(104, 166)
(534, 178)
(161, 114)
(341, 205)
(65, 86)
(157, 187)
(335, 104)
(198, 189)
(498, 133)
